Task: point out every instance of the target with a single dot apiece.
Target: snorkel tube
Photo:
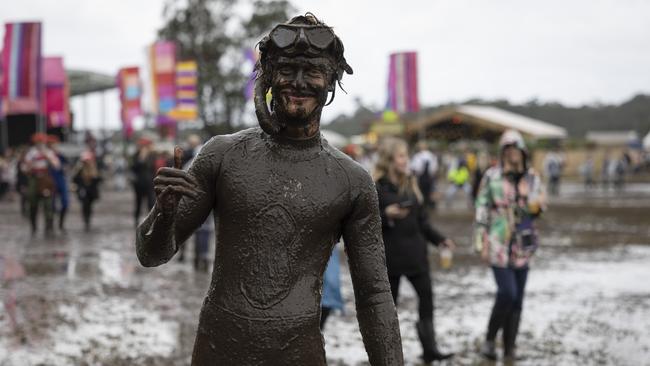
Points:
(267, 121)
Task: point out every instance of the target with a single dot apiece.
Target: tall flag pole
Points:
(251, 57)
(186, 92)
(403, 83)
(55, 104)
(4, 128)
(21, 63)
(163, 70)
(2, 106)
(128, 82)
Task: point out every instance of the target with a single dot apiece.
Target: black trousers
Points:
(422, 284)
(87, 210)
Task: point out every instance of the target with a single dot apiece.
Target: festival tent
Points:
(480, 123)
(613, 138)
(334, 138)
(85, 82)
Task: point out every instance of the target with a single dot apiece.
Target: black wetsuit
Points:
(282, 205)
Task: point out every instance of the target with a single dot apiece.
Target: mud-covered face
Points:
(299, 88)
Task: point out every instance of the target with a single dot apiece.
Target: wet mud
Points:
(85, 300)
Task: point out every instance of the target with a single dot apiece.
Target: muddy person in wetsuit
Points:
(283, 197)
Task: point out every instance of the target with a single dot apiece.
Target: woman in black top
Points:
(87, 179)
(406, 230)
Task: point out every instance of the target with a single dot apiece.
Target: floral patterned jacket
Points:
(505, 215)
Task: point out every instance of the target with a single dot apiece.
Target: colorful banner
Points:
(21, 74)
(2, 106)
(163, 70)
(128, 82)
(55, 92)
(403, 82)
(186, 94)
(251, 56)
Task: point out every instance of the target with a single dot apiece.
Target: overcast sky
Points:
(574, 52)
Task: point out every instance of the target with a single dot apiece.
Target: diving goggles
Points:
(287, 35)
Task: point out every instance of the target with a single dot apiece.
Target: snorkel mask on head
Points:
(302, 36)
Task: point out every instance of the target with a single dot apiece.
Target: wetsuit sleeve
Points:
(161, 234)
(430, 233)
(365, 249)
(482, 216)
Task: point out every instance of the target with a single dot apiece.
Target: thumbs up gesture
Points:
(170, 184)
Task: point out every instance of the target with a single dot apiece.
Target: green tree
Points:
(210, 32)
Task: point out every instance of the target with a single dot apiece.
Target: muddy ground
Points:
(84, 299)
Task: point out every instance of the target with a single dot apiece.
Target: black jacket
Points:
(405, 239)
(143, 171)
(86, 190)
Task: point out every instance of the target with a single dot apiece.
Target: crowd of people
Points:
(507, 195)
(42, 177)
(505, 192)
(503, 189)
(39, 176)
(613, 170)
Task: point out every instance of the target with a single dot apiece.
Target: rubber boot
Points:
(62, 221)
(496, 321)
(427, 337)
(510, 330)
(488, 350)
(33, 217)
(204, 265)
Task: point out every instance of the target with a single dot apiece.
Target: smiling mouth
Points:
(298, 97)
(294, 94)
(295, 98)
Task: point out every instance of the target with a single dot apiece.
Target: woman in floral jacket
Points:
(511, 196)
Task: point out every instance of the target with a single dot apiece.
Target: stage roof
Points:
(492, 119)
(85, 82)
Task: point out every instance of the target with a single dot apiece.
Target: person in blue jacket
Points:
(332, 299)
(60, 181)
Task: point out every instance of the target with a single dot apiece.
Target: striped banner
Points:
(186, 94)
(55, 92)
(128, 81)
(251, 56)
(163, 70)
(2, 106)
(21, 74)
(403, 82)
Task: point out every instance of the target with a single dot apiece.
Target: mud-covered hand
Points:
(170, 184)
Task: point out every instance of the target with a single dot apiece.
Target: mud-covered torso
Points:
(280, 206)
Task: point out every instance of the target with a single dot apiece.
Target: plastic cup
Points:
(446, 257)
(534, 207)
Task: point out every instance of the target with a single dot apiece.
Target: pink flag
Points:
(403, 82)
(21, 63)
(55, 94)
